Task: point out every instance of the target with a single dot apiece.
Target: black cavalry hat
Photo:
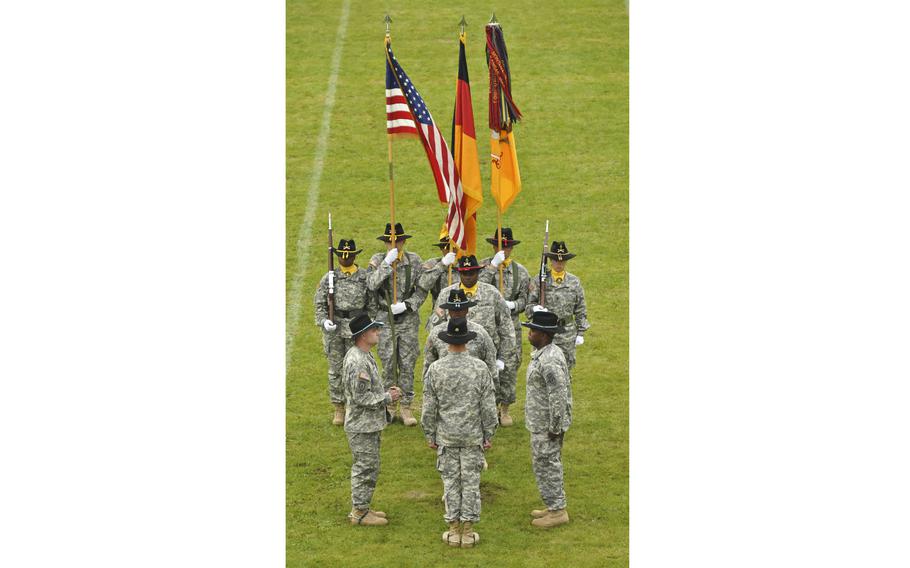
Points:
(399, 233)
(362, 323)
(346, 247)
(559, 251)
(443, 242)
(544, 321)
(458, 300)
(467, 263)
(457, 332)
(507, 240)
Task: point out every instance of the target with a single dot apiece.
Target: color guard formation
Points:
(471, 358)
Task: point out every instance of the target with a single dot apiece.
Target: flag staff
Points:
(388, 39)
(453, 247)
(495, 182)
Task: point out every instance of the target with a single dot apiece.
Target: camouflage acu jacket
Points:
(408, 274)
(491, 312)
(515, 282)
(351, 296)
(365, 399)
(566, 300)
(548, 405)
(436, 277)
(480, 347)
(459, 405)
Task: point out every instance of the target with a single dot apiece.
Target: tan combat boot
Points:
(407, 417)
(338, 419)
(468, 537)
(367, 518)
(552, 519)
(504, 418)
(538, 513)
(392, 409)
(452, 537)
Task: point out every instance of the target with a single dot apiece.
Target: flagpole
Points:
(388, 38)
(499, 236)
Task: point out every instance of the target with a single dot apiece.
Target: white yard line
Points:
(322, 143)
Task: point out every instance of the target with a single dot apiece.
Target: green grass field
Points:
(571, 81)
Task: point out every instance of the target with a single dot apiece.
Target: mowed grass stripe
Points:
(294, 300)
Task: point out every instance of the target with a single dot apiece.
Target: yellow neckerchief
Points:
(558, 277)
(348, 270)
(507, 262)
(400, 254)
(469, 292)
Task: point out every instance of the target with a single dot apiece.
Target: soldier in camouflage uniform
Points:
(491, 311)
(565, 297)
(399, 356)
(481, 347)
(365, 417)
(351, 298)
(459, 419)
(548, 414)
(437, 272)
(515, 281)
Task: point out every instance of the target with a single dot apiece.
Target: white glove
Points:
(579, 339)
(399, 308)
(538, 308)
(391, 256)
(498, 259)
(500, 364)
(510, 304)
(329, 326)
(448, 259)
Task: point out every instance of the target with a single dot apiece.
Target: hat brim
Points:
(547, 329)
(555, 256)
(442, 245)
(387, 238)
(341, 252)
(469, 268)
(367, 328)
(456, 339)
(505, 242)
(458, 306)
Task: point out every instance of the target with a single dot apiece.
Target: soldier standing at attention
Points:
(352, 297)
(565, 297)
(481, 347)
(398, 355)
(436, 271)
(491, 311)
(515, 281)
(459, 419)
(548, 414)
(365, 418)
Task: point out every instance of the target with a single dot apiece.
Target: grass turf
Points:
(570, 73)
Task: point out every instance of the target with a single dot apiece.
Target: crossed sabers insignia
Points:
(497, 160)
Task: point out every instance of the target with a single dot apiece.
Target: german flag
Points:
(464, 144)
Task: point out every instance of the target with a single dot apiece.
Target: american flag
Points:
(406, 113)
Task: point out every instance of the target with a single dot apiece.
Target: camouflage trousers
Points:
(334, 345)
(546, 461)
(460, 470)
(505, 389)
(365, 469)
(566, 342)
(408, 349)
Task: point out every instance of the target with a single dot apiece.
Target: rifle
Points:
(543, 264)
(331, 298)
